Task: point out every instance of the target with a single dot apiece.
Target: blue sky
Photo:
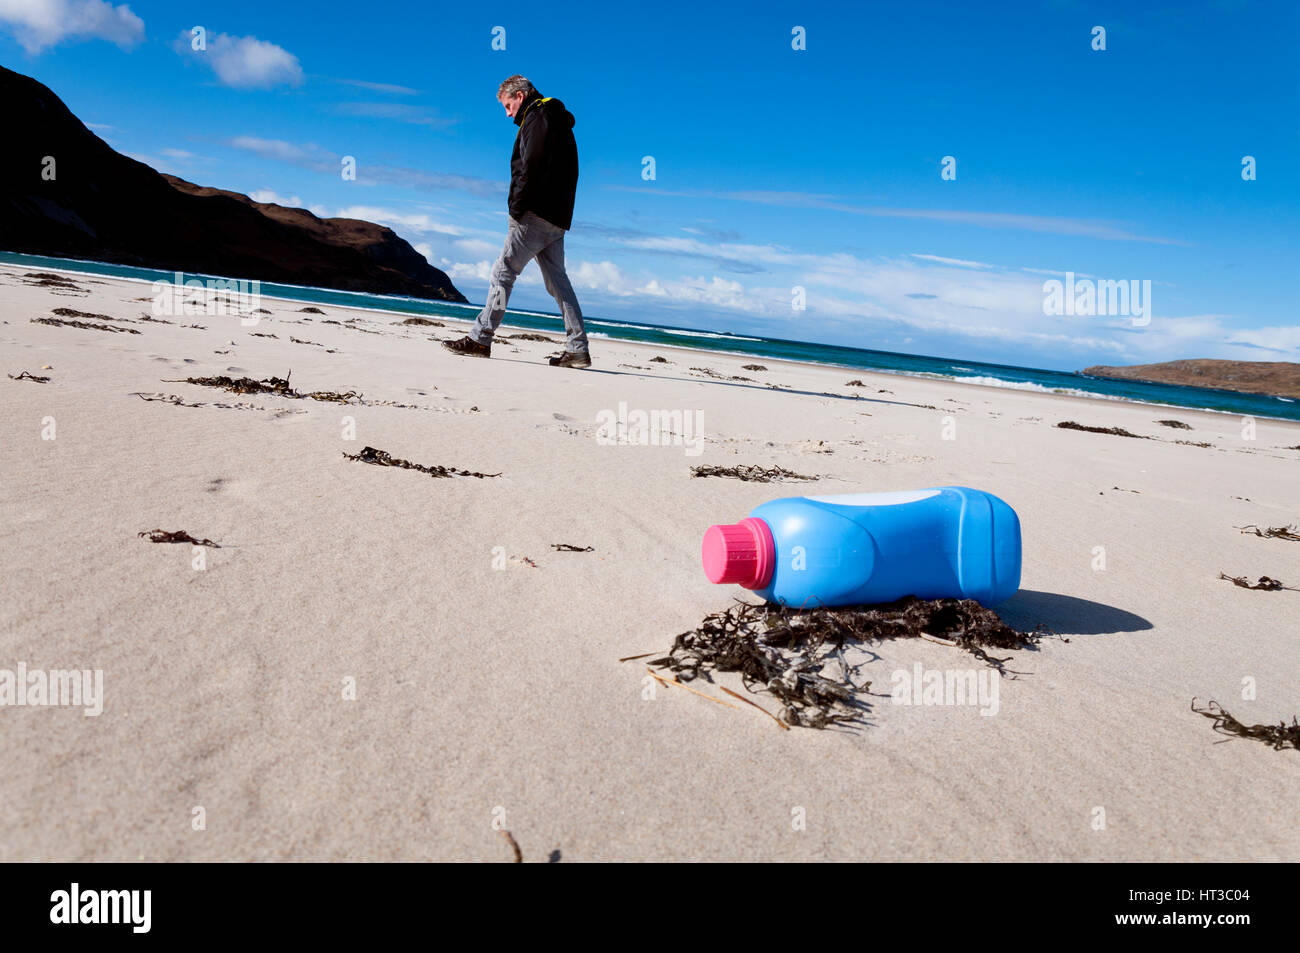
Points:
(774, 167)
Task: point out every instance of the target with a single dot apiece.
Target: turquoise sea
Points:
(916, 365)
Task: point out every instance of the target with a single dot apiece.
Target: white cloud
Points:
(271, 197)
(601, 276)
(768, 254)
(381, 87)
(40, 24)
(397, 220)
(608, 278)
(1093, 228)
(478, 271)
(959, 262)
(276, 149)
(402, 112)
(320, 160)
(243, 62)
(481, 271)
(1285, 340)
(477, 246)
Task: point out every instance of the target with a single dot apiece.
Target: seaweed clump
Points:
(797, 655)
(45, 279)
(381, 458)
(59, 322)
(750, 473)
(1117, 431)
(74, 313)
(279, 386)
(528, 336)
(710, 372)
(1273, 532)
(1266, 583)
(177, 536)
(1276, 736)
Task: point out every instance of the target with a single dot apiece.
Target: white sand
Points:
(482, 689)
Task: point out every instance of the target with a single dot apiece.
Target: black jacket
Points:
(544, 164)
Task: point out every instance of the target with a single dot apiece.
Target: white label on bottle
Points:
(887, 498)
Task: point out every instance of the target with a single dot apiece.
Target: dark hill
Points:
(104, 206)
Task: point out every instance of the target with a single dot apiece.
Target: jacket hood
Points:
(559, 114)
(555, 110)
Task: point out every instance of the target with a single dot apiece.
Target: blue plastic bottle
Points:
(857, 548)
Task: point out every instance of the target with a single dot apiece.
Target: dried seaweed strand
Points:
(381, 458)
(779, 723)
(1273, 532)
(178, 536)
(1117, 431)
(709, 372)
(57, 322)
(514, 846)
(165, 398)
(750, 473)
(1276, 736)
(1266, 583)
(278, 386)
(693, 691)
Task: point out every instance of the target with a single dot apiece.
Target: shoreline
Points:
(752, 358)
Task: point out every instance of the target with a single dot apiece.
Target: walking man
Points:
(543, 179)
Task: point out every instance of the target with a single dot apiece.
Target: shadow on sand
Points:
(1067, 615)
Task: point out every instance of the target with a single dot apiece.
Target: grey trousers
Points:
(529, 237)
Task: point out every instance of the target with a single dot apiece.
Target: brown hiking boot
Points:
(571, 359)
(468, 347)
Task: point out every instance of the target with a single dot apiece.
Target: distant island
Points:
(1275, 378)
(103, 206)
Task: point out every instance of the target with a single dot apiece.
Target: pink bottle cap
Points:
(743, 553)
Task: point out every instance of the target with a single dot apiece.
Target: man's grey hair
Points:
(515, 84)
